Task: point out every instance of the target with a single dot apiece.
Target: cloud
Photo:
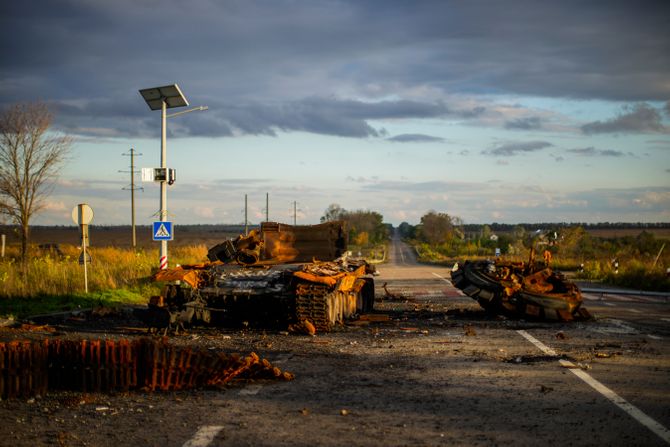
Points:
(261, 57)
(318, 115)
(329, 116)
(527, 123)
(664, 144)
(639, 118)
(515, 148)
(417, 187)
(593, 152)
(415, 138)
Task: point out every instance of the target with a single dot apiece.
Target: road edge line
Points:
(204, 436)
(637, 414)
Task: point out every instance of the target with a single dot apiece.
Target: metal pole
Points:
(163, 264)
(131, 153)
(295, 213)
(246, 221)
(267, 207)
(84, 243)
(132, 195)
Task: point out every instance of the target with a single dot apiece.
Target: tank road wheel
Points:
(478, 286)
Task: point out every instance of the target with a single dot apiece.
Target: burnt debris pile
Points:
(32, 368)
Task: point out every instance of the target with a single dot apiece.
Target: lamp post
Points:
(163, 98)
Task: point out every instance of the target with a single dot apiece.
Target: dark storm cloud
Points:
(640, 118)
(529, 123)
(516, 148)
(328, 116)
(331, 116)
(593, 152)
(415, 138)
(266, 56)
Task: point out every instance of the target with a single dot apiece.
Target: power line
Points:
(132, 153)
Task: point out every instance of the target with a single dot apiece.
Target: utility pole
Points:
(295, 212)
(267, 207)
(132, 153)
(246, 220)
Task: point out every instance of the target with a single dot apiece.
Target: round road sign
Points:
(82, 214)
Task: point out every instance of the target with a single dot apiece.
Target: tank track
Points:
(323, 306)
(312, 303)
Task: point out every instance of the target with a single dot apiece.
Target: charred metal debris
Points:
(281, 276)
(32, 368)
(518, 289)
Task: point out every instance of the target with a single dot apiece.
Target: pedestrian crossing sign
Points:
(162, 231)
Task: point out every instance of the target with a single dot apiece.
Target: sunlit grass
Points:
(52, 282)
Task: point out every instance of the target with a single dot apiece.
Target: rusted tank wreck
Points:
(281, 276)
(519, 289)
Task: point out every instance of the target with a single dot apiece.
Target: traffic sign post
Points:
(82, 215)
(163, 231)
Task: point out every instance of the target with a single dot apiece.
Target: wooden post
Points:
(84, 243)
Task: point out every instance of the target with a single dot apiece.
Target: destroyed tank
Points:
(519, 289)
(281, 276)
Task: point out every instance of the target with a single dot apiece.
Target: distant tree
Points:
(370, 222)
(518, 232)
(576, 242)
(333, 212)
(437, 228)
(406, 230)
(30, 160)
(486, 232)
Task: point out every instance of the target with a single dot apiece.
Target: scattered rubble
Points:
(31, 368)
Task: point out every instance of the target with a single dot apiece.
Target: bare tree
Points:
(30, 159)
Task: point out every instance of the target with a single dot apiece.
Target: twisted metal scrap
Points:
(29, 368)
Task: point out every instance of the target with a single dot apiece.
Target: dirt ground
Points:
(438, 371)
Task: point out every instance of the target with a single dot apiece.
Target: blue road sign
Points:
(162, 231)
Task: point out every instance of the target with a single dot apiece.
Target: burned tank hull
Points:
(517, 289)
(271, 278)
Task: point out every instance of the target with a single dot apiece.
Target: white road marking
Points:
(442, 278)
(654, 337)
(609, 304)
(634, 311)
(282, 358)
(204, 436)
(666, 319)
(619, 401)
(250, 390)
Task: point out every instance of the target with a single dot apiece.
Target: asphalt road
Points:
(439, 372)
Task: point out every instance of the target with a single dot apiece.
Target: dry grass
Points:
(48, 273)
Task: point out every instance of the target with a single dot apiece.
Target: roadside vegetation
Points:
(368, 235)
(52, 281)
(634, 261)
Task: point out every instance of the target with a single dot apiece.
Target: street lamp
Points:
(163, 98)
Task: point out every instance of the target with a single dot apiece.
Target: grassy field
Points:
(53, 281)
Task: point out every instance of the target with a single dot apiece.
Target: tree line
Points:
(365, 227)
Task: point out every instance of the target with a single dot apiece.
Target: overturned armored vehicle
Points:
(519, 289)
(280, 276)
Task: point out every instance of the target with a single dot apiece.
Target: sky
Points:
(490, 111)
